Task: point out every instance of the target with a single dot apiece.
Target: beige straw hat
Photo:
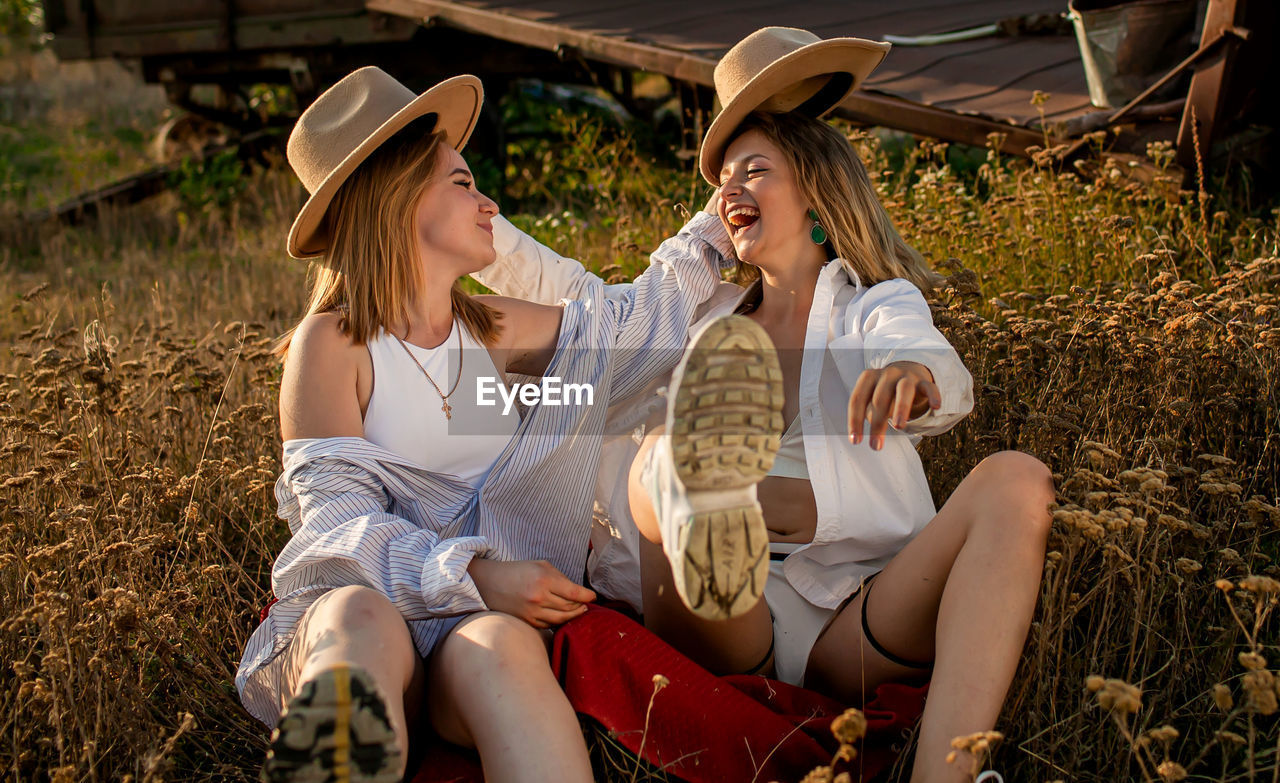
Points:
(349, 121)
(782, 69)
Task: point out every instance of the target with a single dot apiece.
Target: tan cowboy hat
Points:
(782, 69)
(349, 121)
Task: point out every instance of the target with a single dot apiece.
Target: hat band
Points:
(835, 89)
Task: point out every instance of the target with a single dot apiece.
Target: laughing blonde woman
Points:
(791, 475)
(434, 536)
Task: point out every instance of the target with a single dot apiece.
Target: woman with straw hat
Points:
(740, 507)
(433, 532)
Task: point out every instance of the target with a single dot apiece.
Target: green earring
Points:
(818, 234)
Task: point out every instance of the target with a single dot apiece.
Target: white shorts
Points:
(797, 623)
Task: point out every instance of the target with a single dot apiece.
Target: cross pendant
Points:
(448, 410)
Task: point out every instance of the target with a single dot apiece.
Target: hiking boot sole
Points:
(725, 430)
(335, 730)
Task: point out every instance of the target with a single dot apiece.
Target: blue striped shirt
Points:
(362, 515)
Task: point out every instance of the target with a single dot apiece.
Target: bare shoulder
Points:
(319, 395)
(319, 331)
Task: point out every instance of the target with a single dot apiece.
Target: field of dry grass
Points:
(1124, 333)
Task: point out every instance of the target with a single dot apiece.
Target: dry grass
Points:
(1111, 332)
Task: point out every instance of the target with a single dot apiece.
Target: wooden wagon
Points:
(963, 70)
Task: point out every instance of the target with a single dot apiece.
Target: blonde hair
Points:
(832, 179)
(371, 270)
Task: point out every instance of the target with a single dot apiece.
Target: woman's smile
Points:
(740, 218)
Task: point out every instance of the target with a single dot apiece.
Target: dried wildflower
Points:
(977, 747)
(1171, 771)
(1230, 556)
(1219, 488)
(1260, 585)
(1188, 566)
(850, 726)
(1116, 695)
(1217, 460)
(818, 775)
(1222, 697)
(64, 774)
(1260, 692)
(1252, 661)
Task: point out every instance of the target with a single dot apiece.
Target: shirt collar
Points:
(834, 274)
(837, 272)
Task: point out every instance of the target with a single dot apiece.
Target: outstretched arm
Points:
(907, 374)
(650, 316)
(527, 269)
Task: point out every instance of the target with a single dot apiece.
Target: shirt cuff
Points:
(450, 567)
(710, 229)
(950, 380)
(505, 236)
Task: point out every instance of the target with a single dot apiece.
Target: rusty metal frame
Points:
(1205, 99)
(866, 107)
(873, 108)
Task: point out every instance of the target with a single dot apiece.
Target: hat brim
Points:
(455, 102)
(856, 57)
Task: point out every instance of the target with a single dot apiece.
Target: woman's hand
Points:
(532, 590)
(901, 391)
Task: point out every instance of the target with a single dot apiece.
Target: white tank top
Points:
(790, 461)
(405, 414)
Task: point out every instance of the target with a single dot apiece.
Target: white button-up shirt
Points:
(869, 503)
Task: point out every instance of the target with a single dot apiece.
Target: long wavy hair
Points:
(371, 270)
(832, 178)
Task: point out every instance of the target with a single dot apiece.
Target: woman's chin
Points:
(485, 257)
(745, 250)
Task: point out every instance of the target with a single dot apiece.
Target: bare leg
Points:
(492, 689)
(729, 646)
(962, 593)
(359, 627)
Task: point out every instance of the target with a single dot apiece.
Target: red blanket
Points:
(702, 728)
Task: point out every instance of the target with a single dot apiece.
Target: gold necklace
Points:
(444, 398)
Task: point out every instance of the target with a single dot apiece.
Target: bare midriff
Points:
(790, 512)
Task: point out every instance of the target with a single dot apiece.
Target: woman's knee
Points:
(489, 642)
(353, 625)
(1017, 482)
(356, 607)
(1017, 473)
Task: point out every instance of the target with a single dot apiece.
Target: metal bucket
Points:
(1127, 45)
